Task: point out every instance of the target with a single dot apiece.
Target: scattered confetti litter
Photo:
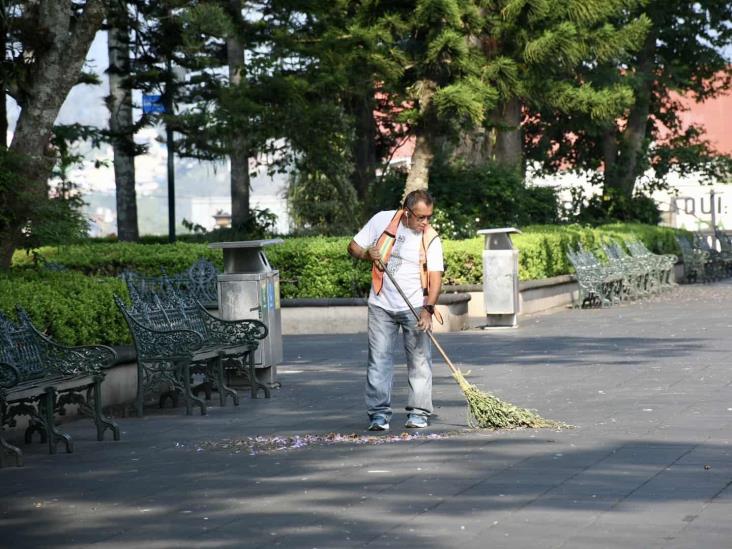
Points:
(272, 444)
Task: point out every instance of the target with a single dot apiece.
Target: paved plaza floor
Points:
(648, 387)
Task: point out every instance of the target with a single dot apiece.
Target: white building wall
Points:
(686, 205)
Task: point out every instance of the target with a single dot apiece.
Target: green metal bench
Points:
(725, 247)
(660, 265)
(721, 260)
(637, 275)
(39, 378)
(697, 265)
(600, 284)
(177, 337)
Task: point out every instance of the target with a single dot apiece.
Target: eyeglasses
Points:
(420, 218)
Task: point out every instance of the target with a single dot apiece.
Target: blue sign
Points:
(152, 104)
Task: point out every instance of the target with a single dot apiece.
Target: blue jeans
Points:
(383, 334)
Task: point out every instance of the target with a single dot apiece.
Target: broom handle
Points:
(449, 363)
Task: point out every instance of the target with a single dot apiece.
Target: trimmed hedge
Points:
(320, 267)
(543, 249)
(71, 307)
(111, 258)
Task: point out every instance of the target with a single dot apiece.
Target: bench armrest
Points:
(9, 375)
(165, 344)
(233, 331)
(86, 359)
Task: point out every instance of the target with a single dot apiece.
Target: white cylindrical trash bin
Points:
(500, 277)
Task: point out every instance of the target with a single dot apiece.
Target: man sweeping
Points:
(410, 248)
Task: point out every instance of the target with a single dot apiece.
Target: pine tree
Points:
(680, 56)
(443, 78)
(533, 54)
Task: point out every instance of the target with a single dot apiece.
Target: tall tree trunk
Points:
(120, 124)
(632, 139)
(509, 145)
(610, 152)
(419, 171)
(49, 79)
(239, 153)
(361, 106)
(474, 147)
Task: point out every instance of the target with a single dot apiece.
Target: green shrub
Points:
(613, 208)
(110, 259)
(72, 308)
(320, 266)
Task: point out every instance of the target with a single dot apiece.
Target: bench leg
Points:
(224, 389)
(254, 382)
(140, 400)
(191, 399)
(6, 447)
(48, 403)
(103, 423)
(35, 426)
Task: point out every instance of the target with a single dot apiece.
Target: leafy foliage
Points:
(469, 198)
(682, 57)
(320, 267)
(73, 308)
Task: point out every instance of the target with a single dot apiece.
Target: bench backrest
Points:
(18, 347)
(684, 246)
(199, 282)
(164, 311)
(724, 242)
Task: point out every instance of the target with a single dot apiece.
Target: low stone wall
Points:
(349, 315)
(534, 296)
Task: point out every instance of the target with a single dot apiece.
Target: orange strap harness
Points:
(385, 244)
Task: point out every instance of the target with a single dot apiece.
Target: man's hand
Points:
(425, 321)
(372, 254)
(368, 254)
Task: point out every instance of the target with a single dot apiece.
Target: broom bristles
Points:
(486, 411)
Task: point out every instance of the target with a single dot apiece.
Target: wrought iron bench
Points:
(697, 265)
(721, 261)
(725, 247)
(39, 378)
(660, 265)
(177, 337)
(600, 284)
(637, 273)
(198, 282)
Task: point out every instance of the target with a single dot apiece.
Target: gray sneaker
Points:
(378, 423)
(416, 421)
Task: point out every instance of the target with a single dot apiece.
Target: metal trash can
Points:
(500, 278)
(250, 288)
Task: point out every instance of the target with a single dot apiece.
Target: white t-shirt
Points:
(403, 263)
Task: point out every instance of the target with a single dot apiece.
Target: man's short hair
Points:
(420, 195)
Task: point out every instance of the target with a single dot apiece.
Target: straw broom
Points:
(485, 411)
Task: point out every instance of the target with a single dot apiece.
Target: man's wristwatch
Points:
(430, 309)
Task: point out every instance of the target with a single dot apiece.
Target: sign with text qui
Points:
(152, 104)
